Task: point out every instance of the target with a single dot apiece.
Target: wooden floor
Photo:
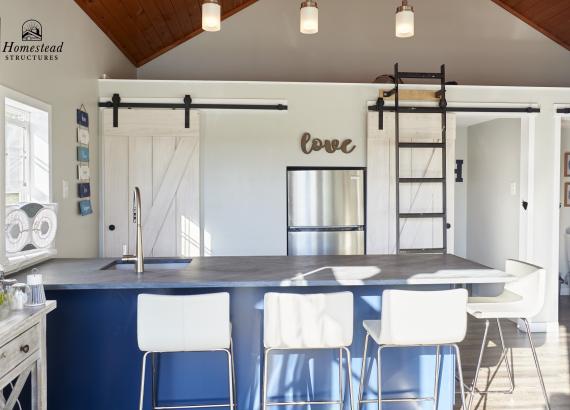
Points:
(554, 356)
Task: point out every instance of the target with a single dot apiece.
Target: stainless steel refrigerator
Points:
(325, 211)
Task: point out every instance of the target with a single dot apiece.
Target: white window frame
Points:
(24, 259)
(28, 149)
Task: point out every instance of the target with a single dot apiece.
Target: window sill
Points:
(24, 260)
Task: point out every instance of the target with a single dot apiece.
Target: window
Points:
(27, 154)
(27, 180)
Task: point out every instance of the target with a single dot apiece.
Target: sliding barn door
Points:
(151, 149)
(415, 197)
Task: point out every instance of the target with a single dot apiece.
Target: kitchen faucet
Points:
(137, 258)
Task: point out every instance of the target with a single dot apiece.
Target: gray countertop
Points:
(272, 271)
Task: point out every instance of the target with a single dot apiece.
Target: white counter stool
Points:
(520, 299)
(307, 322)
(417, 319)
(195, 323)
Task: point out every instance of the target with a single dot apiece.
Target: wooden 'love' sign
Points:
(309, 144)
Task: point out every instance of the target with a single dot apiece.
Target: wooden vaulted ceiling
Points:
(145, 29)
(550, 17)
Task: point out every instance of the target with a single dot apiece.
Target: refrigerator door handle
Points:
(345, 228)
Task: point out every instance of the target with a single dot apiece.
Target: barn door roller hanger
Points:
(186, 104)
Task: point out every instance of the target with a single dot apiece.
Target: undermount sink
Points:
(150, 264)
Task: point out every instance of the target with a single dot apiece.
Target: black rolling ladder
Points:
(442, 108)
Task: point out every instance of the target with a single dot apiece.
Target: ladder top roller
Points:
(404, 74)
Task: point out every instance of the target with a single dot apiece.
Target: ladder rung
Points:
(422, 215)
(420, 180)
(423, 250)
(421, 145)
(418, 75)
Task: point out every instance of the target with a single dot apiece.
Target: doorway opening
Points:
(493, 164)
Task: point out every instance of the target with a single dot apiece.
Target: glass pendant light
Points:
(309, 17)
(405, 20)
(211, 15)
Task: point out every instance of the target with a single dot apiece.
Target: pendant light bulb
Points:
(309, 17)
(405, 20)
(211, 15)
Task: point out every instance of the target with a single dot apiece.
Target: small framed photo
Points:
(85, 207)
(567, 194)
(82, 118)
(83, 173)
(83, 135)
(83, 154)
(83, 190)
(567, 164)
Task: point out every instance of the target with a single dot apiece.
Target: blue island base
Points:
(94, 362)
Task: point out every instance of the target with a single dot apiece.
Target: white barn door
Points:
(414, 198)
(151, 149)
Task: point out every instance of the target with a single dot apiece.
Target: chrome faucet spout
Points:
(138, 257)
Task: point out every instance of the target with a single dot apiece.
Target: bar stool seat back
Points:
(423, 318)
(168, 323)
(297, 321)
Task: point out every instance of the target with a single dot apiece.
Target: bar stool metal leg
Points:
(460, 372)
(340, 392)
(363, 372)
(349, 375)
(536, 363)
(264, 387)
(474, 384)
(379, 377)
(436, 384)
(507, 361)
(230, 379)
(143, 370)
(233, 372)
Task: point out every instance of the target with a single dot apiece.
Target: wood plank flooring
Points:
(554, 356)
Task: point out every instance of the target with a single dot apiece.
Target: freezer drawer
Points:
(326, 243)
(325, 197)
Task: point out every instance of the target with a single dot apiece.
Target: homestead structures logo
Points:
(31, 47)
(31, 31)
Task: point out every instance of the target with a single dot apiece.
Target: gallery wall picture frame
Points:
(85, 207)
(567, 194)
(83, 190)
(567, 164)
(83, 154)
(83, 173)
(83, 135)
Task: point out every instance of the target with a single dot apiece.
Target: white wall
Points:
(564, 211)
(492, 210)
(65, 85)
(480, 43)
(461, 194)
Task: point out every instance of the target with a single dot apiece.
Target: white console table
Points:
(23, 353)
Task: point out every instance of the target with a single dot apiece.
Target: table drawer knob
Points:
(25, 348)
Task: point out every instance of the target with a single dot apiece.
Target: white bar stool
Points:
(306, 322)
(412, 319)
(521, 299)
(195, 323)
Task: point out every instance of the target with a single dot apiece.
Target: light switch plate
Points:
(513, 188)
(64, 189)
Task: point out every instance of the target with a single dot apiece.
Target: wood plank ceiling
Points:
(145, 29)
(550, 17)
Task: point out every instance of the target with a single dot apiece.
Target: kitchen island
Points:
(95, 362)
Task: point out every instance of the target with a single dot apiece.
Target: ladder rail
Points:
(442, 109)
(397, 161)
